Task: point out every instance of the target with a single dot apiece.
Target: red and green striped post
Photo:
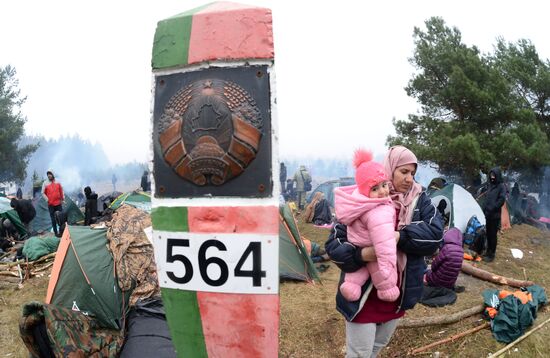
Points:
(215, 201)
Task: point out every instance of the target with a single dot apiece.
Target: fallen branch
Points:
(451, 338)
(496, 354)
(42, 268)
(8, 273)
(43, 258)
(446, 319)
(491, 277)
(23, 262)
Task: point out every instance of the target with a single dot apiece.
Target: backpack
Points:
(475, 235)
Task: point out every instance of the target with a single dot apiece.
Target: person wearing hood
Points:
(447, 264)
(303, 185)
(52, 191)
(367, 210)
(494, 199)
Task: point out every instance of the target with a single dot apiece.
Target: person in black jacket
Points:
(90, 208)
(26, 212)
(145, 184)
(492, 206)
(282, 176)
(370, 322)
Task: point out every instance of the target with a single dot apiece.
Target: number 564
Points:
(253, 248)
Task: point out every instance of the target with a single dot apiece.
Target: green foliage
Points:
(478, 110)
(13, 159)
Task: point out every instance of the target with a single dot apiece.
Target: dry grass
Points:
(311, 327)
(11, 303)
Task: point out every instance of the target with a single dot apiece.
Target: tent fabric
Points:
(461, 205)
(148, 334)
(83, 277)
(133, 253)
(294, 260)
(53, 331)
(137, 199)
(42, 221)
(513, 316)
(327, 188)
(35, 247)
(7, 212)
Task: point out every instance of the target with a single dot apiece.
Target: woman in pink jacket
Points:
(367, 209)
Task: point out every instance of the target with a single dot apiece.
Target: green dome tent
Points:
(42, 221)
(83, 277)
(137, 199)
(294, 261)
(7, 212)
(461, 205)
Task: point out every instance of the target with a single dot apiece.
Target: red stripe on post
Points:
(231, 31)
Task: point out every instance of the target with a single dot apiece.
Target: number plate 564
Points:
(233, 263)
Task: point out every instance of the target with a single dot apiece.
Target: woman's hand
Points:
(368, 254)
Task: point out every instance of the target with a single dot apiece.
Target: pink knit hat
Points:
(367, 172)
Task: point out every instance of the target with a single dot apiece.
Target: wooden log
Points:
(446, 319)
(491, 277)
(24, 262)
(503, 350)
(451, 338)
(42, 268)
(8, 273)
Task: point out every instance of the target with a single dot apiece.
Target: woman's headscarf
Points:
(395, 157)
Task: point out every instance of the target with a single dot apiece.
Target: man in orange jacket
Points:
(52, 192)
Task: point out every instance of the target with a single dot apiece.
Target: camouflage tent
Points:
(53, 331)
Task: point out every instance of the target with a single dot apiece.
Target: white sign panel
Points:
(231, 263)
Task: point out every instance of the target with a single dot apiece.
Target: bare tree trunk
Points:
(491, 277)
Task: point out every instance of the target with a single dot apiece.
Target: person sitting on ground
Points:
(322, 215)
(26, 212)
(441, 207)
(315, 251)
(367, 209)
(8, 230)
(318, 211)
(447, 264)
(6, 235)
(310, 209)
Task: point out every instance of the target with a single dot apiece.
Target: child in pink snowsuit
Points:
(367, 210)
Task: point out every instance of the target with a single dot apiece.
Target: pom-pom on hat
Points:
(367, 172)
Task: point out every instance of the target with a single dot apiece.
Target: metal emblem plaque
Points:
(212, 133)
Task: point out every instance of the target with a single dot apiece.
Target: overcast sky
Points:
(341, 66)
